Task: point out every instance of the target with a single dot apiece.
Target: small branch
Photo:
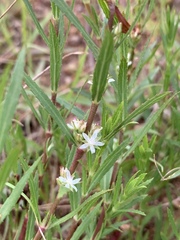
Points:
(100, 222)
(12, 4)
(92, 113)
(114, 174)
(51, 212)
(72, 229)
(78, 156)
(23, 230)
(47, 137)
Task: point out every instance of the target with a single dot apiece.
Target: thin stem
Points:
(72, 229)
(100, 222)
(92, 113)
(38, 235)
(12, 4)
(78, 155)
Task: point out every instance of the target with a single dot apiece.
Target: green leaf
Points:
(48, 105)
(102, 67)
(150, 121)
(29, 102)
(4, 80)
(33, 186)
(12, 199)
(172, 223)
(30, 225)
(38, 26)
(122, 86)
(137, 111)
(85, 222)
(11, 98)
(73, 109)
(74, 20)
(132, 211)
(92, 198)
(117, 187)
(8, 165)
(107, 164)
(54, 58)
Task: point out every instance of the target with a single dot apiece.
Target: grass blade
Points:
(11, 98)
(8, 165)
(38, 26)
(48, 105)
(12, 199)
(102, 67)
(75, 21)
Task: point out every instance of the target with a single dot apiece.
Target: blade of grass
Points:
(54, 58)
(83, 226)
(8, 165)
(49, 106)
(137, 111)
(102, 67)
(75, 21)
(38, 26)
(11, 98)
(88, 201)
(12, 199)
(150, 121)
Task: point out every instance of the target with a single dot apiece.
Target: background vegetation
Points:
(129, 188)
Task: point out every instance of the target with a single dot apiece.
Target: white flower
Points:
(110, 80)
(67, 180)
(91, 142)
(77, 125)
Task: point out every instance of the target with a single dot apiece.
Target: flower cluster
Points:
(78, 127)
(91, 140)
(66, 179)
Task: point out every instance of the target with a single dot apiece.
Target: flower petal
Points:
(84, 146)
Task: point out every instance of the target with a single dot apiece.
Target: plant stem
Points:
(92, 113)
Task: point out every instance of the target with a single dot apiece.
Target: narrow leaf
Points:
(38, 26)
(74, 20)
(138, 111)
(48, 105)
(172, 223)
(8, 165)
(12, 199)
(150, 121)
(92, 198)
(107, 164)
(102, 67)
(54, 58)
(11, 98)
(83, 226)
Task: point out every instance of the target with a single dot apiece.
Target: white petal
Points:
(77, 180)
(86, 137)
(99, 143)
(68, 174)
(84, 146)
(62, 179)
(92, 149)
(95, 133)
(75, 188)
(70, 126)
(111, 80)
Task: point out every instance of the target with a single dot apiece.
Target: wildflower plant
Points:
(116, 145)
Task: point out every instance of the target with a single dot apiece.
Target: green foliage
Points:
(126, 189)
(102, 67)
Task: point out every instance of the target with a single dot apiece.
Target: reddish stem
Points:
(78, 156)
(100, 222)
(92, 113)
